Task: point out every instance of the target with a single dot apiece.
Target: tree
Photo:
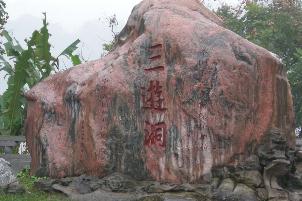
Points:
(112, 23)
(3, 15)
(3, 19)
(25, 67)
(277, 26)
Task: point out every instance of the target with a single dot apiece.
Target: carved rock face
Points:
(178, 96)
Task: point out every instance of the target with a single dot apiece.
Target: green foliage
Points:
(27, 180)
(32, 194)
(276, 26)
(3, 19)
(68, 52)
(112, 23)
(24, 67)
(108, 47)
(295, 77)
(3, 14)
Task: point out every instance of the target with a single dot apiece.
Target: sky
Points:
(70, 20)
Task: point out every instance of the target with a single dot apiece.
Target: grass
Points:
(32, 194)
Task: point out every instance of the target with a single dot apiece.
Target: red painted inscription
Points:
(153, 97)
(155, 134)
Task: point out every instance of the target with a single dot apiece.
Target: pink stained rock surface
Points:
(177, 97)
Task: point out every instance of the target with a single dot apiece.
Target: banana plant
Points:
(25, 67)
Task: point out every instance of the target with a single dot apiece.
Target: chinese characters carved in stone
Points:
(155, 134)
(153, 100)
(153, 97)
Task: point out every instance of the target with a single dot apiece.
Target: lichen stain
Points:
(73, 104)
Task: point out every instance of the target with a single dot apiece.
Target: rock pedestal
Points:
(178, 96)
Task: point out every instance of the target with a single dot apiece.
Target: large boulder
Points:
(8, 180)
(6, 174)
(178, 96)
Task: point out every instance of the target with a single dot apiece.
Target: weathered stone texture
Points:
(177, 97)
(8, 180)
(6, 174)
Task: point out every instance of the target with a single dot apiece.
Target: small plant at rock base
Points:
(31, 194)
(25, 178)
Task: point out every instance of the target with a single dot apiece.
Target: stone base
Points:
(265, 175)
